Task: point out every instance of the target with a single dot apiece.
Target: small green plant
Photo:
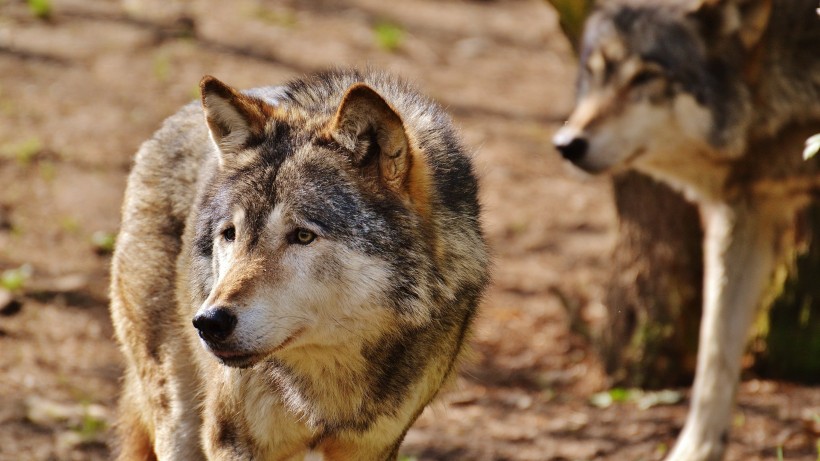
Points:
(23, 152)
(607, 398)
(91, 427)
(15, 279)
(818, 449)
(661, 448)
(69, 224)
(642, 399)
(739, 420)
(162, 67)
(388, 36)
(407, 458)
(40, 8)
(6, 107)
(103, 242)
(276, 17)
(195, 93)
(518, 227)
(780, 453)
(48, 170)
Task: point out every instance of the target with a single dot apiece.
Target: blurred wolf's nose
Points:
(572, 148)
(215, 324)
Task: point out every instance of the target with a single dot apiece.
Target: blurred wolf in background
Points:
(714, 97)
(324, 239)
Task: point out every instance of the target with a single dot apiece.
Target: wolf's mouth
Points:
(234, 358)
(243, 359)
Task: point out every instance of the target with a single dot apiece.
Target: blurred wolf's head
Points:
(660, 79)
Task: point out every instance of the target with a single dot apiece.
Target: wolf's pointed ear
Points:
(233, 118)
(747, 19)
(365, 124)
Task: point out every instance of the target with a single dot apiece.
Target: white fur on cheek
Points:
(326, 307)
(625, 134)
(224, 251)
(693, 119)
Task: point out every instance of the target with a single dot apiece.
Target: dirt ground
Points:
(82, 88)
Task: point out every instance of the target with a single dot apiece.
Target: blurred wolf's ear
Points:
(233, 118)
(367, 126)
(746, 19)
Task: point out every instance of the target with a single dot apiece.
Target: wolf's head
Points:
(660, 82)
(314, 229)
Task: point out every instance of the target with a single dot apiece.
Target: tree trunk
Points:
(787, 345)
(654, 296)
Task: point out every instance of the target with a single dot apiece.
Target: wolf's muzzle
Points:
(215, 324)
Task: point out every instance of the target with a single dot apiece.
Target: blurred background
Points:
(83, 83)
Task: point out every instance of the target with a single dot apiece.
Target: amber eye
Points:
(229, 234)
(302, 236)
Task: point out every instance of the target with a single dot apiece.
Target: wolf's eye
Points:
(645, 76)
(229, 234)
(302, 236)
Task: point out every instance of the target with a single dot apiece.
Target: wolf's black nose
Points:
(574, 149)
(215, 324)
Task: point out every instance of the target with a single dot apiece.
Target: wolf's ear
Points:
(747, 19)
(233, 118)
(366, 125)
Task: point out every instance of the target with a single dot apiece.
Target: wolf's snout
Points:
(572, 147)
(215, 324)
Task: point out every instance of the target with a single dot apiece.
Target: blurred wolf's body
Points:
(716, 98)
(324, 239)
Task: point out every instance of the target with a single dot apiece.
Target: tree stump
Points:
(654, 295)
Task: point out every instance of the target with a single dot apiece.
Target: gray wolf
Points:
(714, 97)
(296, 271)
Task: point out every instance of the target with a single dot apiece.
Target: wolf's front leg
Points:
(740, 256)
(178, 439)
(178, 423)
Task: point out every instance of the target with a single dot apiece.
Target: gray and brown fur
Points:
(324, 238)
(716, 98)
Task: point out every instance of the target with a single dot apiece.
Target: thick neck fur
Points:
(772, 106)
(770, 168)
(323, 386)
(773, 84)
(333, 390)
